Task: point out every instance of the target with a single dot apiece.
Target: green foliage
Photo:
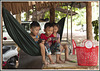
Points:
(30, 12)
(47, 15)
(79, 18)
(25, 16)
(96, 29)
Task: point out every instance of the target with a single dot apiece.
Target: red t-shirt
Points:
(43, 36)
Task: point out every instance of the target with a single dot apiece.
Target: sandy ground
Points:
(69, 65)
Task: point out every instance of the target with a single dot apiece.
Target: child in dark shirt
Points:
(34, 28)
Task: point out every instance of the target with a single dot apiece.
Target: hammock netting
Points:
(20, 35)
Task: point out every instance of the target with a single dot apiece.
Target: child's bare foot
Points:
(52, 63)
(62, 61)
(59, 62)
(71, 61)
(68, 60)
(45, 63)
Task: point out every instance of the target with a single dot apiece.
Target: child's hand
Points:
(36, 39)
(57, 41)
(49, 39)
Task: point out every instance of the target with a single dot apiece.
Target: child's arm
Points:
(49, 39)
(58, 40)
(36, 39)
(58, 35)
(41, 39)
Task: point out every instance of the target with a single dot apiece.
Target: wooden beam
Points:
(52, 14)
(89, 20)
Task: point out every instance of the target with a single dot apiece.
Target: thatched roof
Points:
(18, 7)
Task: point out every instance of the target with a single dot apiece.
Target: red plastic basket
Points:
(87, 56)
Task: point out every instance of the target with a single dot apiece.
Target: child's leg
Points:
(66, 52)
(48, 51)
(57, 58)
(43, 53)
(58, 53)
(61, 49)
(50, 58)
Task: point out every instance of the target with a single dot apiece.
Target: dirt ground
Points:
(69, 65)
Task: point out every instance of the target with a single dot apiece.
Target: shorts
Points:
(52, 48)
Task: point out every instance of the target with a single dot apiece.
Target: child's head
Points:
(56, 27)
(48, 28)
(34, 28)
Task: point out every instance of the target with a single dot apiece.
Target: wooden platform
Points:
(69, 65)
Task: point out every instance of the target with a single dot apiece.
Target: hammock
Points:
(61, 24)
(19, 35)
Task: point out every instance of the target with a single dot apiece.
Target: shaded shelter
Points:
(18, 7)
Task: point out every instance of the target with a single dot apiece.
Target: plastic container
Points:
(87, 54)
(74, 46)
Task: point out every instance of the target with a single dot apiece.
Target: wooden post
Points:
(18, 18)
(89, 20)
(34, 15)
(52, 14)
(27, 15)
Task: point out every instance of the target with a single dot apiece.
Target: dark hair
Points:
(34, 24)
(48, 25)
(55, 24)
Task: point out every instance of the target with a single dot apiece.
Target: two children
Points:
(47, 36)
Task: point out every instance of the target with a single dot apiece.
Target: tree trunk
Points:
(52, 14)
(89, 20)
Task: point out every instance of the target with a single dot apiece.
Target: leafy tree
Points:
(79, 18)
(96, 29)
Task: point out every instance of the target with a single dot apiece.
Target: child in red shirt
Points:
(47, 36)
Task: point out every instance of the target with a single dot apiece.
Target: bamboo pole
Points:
(67, 22)
(1, 35)
(71, 29)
